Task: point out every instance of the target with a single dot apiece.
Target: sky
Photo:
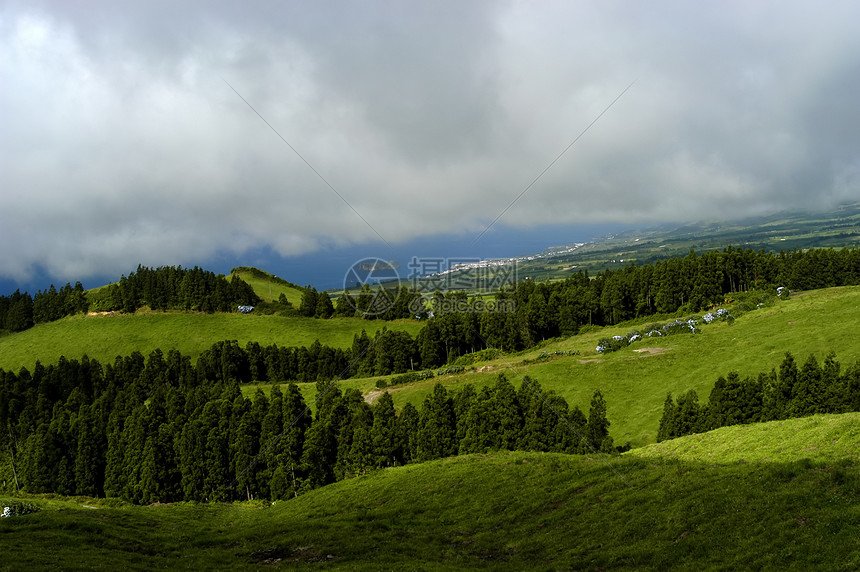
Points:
(295, 134)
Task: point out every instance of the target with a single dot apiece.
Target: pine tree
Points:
(807, 394)
(438, 429)
(510, 414)
(89, 464)
(289, 449)
(324, 308)
(408, 423)
(481, 425)
(597, 430)
(308, 307)
(383, 432)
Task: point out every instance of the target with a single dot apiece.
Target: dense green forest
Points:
(162, 430)
(790, 392)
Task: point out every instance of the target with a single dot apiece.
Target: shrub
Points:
(18, 508)
(410, 377)
(483, 355)
(613, 344)
(451, 369)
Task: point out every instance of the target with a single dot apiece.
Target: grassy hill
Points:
(635, 382)
(268, 286)
(829, 438)
(106, 336)
(641, 510)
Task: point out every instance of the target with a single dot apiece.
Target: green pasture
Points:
(499, 511)
(635, 383)
(104, 337)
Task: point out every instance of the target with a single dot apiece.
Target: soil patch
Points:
(646, 352)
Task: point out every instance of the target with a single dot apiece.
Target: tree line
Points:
(529, 312)
(174, 288)
(686, 284)
(790, 392)
(525, 313)
(162, 288)
(161, 429)
(19, 312)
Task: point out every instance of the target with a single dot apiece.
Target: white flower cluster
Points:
(721, 314)
(678, 326)
(7, 511)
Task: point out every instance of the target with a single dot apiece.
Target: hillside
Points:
(268, 286)
(635, 380)
(104, 337)
(827, 438)
(501, 511)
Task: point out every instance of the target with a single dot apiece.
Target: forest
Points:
(163, 430)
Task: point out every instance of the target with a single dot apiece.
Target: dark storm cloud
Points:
(122, 144)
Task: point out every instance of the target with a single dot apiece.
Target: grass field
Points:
(642, 511)
(829, 438)
(635, 383)
(106, 336)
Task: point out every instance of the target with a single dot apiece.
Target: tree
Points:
(510, 414)
(384, 432)
(438, 428)
(89, 460)
(308, 306)
(19, 316)
(408, 423)
(324, 308)
(597, 430)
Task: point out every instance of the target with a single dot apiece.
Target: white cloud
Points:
(122, 144)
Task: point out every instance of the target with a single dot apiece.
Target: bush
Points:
(452, 369)
(410, 377)
(483, 355)
(18, 508)
(613, 344)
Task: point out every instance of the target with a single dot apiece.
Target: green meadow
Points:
(636, 379)
(104, 337)
(644, 510)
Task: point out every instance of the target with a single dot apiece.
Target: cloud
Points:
(122, 143)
